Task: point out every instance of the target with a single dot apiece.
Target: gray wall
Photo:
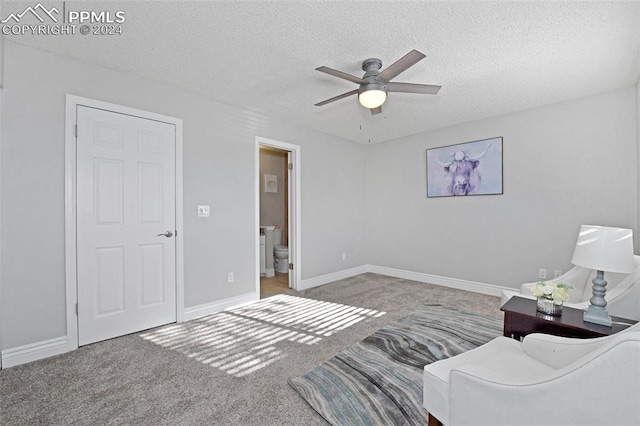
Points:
(272, 207)
(564, 165)
(638, 163)
(219, 149)
(1, 79)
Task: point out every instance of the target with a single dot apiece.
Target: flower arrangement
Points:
(557, 292)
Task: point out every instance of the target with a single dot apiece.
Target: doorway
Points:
(124, 220)
(277, 216)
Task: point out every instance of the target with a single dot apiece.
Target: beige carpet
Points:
(229, 368)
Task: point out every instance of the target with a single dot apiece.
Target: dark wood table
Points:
(521, 318)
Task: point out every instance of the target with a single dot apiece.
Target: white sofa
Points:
(623, 290)
(543, 380)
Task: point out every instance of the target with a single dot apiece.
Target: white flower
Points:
(548, 289)
(554, 291)
(536, 290)
(560, 295)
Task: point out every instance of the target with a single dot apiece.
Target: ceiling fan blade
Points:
(335, 98)
(400, 65)
(340, 74)
(375, 111)
(427, 89)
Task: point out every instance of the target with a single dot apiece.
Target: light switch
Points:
(203, 211)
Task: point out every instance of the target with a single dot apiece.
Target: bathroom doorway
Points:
(277, 216)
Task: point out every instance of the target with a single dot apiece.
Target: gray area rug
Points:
(379, 380)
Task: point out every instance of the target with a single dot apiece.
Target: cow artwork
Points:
(472, 168)
(463, 174)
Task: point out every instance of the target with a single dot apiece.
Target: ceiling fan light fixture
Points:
(374, 84)
(372, 95)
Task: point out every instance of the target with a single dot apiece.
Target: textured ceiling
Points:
(490, 58)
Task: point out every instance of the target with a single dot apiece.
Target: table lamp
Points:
(603, 249)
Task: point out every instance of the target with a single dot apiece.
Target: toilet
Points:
(280, 253)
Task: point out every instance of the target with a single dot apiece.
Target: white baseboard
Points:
(473, 286)
(34, 351)
(39, 350)
(47, 348)
(269, 272)
(218, 306)
(476, 287)
(329, 278)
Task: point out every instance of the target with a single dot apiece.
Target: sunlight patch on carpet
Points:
(242, 340)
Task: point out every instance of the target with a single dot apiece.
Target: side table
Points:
(522, 318)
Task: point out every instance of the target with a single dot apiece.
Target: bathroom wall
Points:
(273, 204)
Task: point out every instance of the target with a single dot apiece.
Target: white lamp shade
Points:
(604, 249)
(372, 98)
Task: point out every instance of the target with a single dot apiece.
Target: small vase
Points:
(548, 307)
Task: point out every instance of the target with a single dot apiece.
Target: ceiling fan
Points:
(375, 85)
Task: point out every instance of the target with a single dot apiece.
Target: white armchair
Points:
(623, 290)
(543, 380)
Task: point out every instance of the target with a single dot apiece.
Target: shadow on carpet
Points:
(379, 380)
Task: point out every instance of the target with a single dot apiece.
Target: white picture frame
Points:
(270, 183)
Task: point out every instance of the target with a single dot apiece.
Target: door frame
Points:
(294, 252)
(71, 279)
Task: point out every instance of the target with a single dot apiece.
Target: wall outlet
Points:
(230, 277)
(344, 255)
(557, 273)
(542, 274)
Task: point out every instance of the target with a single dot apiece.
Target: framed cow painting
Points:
(471, 168)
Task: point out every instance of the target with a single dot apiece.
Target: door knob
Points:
(167, 234)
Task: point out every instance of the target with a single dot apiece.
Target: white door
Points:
(126, 224)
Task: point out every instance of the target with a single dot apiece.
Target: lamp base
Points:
(597, 315)
(597, 312)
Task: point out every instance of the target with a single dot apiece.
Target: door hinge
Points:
(76, 130)
(291, 266)
(76, 309)
(290, 166)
